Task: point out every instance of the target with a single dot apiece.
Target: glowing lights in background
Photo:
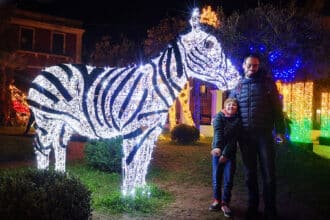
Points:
(283, 68)
(183, 99)
(285, 73)
(257, 48)
(209, 17)
(325, 114)
(172, 116)
(297, 103)
(19, 104)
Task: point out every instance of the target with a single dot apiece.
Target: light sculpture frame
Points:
(131, 102)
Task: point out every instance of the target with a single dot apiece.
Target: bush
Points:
(185, 134)
(42, 194)
(105, 155)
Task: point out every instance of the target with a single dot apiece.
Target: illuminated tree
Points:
(19, 105)
(292, 44)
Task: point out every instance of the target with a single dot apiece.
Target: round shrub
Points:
(42, 194)
(185, 134)
(105, 155)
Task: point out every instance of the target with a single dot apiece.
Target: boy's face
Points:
(231, 108)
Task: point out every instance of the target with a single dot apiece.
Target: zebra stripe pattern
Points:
(130, 102)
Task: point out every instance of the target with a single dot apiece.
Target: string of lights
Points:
(131, 102)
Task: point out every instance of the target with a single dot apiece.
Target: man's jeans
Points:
(260, 145)
(227, 171)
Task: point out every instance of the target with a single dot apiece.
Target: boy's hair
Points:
(230, 100)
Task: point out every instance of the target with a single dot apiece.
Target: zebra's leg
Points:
(42, 152)
(60, 142)
(42, 158)
(127, 174)
(43, 145)
(137, 156)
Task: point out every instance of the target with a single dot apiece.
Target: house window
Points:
(58, 43)
(26, 39)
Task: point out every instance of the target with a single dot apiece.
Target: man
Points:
(261, 113)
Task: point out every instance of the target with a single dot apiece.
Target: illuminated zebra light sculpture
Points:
(131, 102)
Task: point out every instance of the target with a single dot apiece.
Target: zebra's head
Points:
(204, 59)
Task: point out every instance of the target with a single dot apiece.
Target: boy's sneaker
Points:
(215, 206)
(226, 210)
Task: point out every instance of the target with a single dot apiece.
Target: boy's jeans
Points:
(226, 172)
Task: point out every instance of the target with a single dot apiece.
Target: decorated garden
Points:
(178, 182)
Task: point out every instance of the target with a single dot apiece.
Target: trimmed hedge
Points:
(185, 134)
(43, 194)
(105, 155)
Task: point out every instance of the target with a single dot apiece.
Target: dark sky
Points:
(124, 16)
(129, 17)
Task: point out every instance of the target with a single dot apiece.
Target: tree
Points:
(159, 36)
(288, 40)
(109, 53)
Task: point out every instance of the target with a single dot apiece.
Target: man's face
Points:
(251, 66)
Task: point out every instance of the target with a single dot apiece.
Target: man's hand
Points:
(280, 139)
(216, 152)
(223, 159)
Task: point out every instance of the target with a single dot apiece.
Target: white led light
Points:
(131, 102)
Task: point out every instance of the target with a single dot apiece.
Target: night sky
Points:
(131, 18)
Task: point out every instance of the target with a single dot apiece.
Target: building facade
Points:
(32, 41)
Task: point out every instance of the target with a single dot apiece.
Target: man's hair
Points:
(251, 55)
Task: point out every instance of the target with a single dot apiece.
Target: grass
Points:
(302, 178)
(305, 177)
(107, 198)
(185, 164)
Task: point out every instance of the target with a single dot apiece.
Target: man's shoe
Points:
(226, 211)
(215, 206)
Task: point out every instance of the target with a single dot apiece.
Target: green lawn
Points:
(107, 198)
(302, 177)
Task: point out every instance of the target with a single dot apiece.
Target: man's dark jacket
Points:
(259, 104)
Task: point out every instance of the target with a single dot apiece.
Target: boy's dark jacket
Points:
(226, 131)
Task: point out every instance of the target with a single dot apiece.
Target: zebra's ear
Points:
(195, 20)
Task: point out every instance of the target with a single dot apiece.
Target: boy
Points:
(226, 129)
